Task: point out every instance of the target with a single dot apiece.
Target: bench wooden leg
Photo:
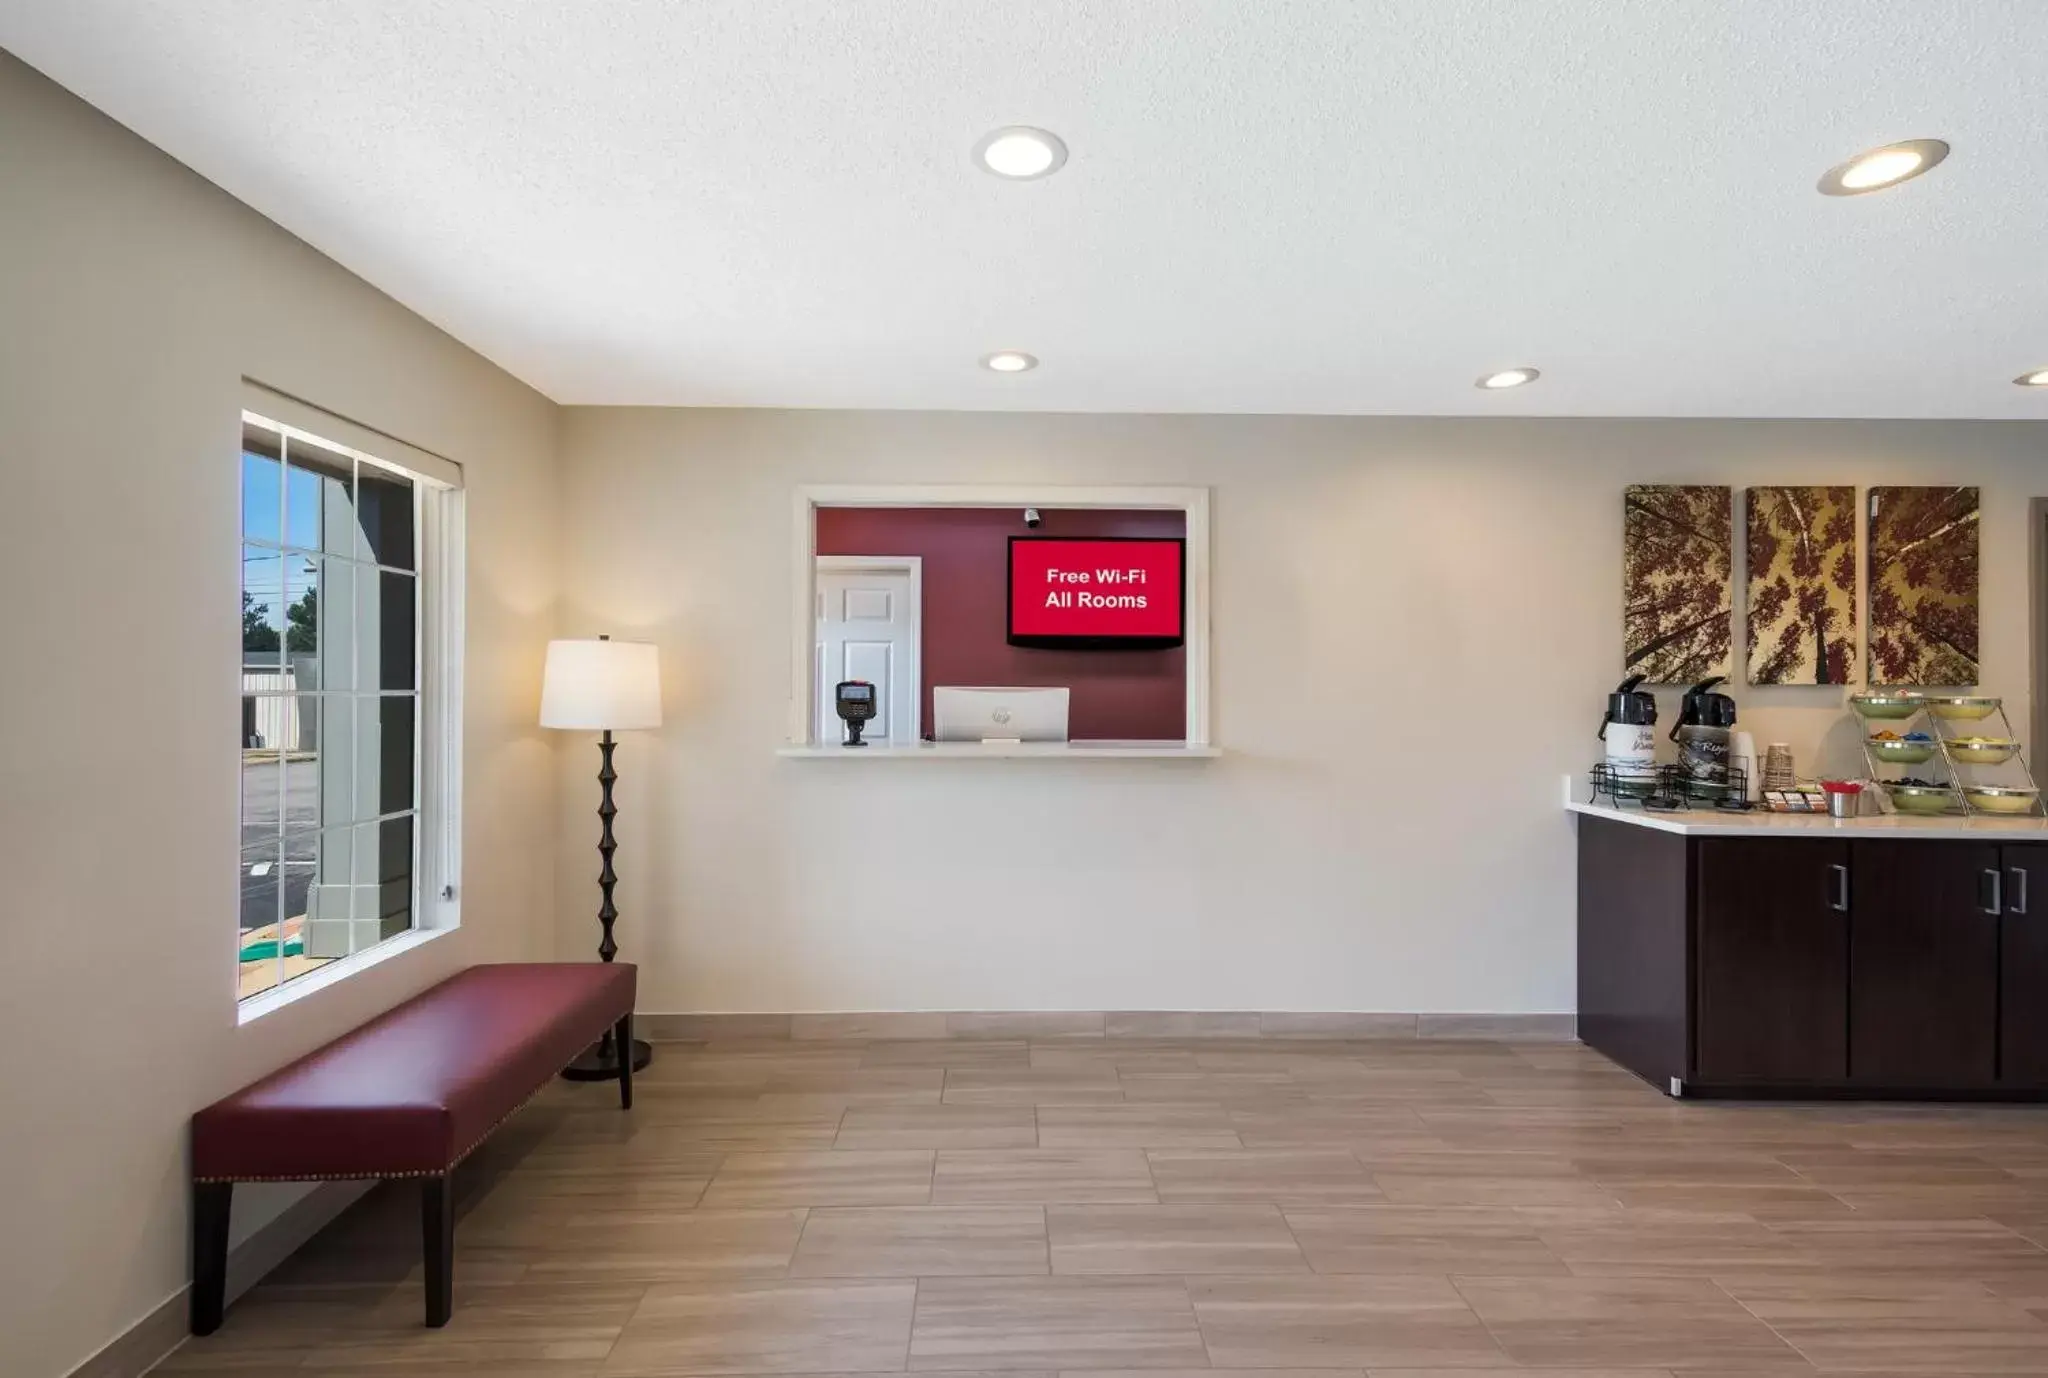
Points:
(211, 1204)
(622, 1039)
(437, 1235)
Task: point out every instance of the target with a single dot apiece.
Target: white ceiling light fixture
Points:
(1878, 168)
(1021, 153)
(1009, 361)
(1507, 378)
(2037, 379)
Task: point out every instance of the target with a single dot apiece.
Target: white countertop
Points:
(1714, 823)
(1005, 751)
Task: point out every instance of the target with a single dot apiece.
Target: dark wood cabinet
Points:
(1923, 964)
(1633, 947)
(1772, 960)
(1816, 962)
(2023, 967)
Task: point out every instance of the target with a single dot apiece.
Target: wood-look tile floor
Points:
(1098, 1207)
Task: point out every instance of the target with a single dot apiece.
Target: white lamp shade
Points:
(601, 686)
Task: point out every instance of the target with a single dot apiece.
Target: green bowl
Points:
(1903, 753)
(1963, 708)
(2004, 799)
(1984, 751)
(1919, 799)
(1888, 706)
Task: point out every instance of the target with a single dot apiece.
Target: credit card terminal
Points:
(855, 700)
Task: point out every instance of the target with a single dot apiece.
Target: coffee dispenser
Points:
(1703, 732)
(1628, 735)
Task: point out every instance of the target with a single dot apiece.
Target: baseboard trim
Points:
(151, 1340)
(142, 1346)
(1240, 1024)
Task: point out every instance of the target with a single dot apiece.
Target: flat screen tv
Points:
(1098, 593)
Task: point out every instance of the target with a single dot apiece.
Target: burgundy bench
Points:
(409, 1094)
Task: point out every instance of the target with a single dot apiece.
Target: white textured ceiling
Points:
(1272, 205)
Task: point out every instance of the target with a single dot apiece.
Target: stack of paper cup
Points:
(1778, 772)
(1742, 757)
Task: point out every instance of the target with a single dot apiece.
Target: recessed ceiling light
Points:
(1021, 153)
(2037, 379)
(1883, 167)
(1009, 361)
(1508, 378)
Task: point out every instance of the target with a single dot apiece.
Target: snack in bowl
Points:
(1962, 707)
(1983, 751)
(1886, 705)
(2002, 798)
(1901, 751)
(1920, 797)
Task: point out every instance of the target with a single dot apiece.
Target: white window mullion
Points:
(439, 826)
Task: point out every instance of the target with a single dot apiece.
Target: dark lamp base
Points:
(600, 1061)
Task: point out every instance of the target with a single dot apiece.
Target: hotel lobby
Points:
(913, 689)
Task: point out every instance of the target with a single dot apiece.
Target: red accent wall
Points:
(1115, 694)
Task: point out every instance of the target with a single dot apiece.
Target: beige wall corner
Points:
(165, 1327)
(136, 297)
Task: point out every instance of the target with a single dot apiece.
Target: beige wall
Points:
(1416, 625)
(133, 297)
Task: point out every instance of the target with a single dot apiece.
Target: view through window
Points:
(330, 704)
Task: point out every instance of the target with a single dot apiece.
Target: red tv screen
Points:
(1099, 593)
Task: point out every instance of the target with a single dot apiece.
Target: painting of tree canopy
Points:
(1678, 551)
(1923, 586)
(1802, 585)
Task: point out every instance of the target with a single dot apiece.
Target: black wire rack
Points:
(1669, 788)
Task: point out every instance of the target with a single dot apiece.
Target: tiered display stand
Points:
(1960, 777)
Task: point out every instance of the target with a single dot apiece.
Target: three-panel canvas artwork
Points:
(1802, 615)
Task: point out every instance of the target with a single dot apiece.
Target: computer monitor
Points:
(962, 714)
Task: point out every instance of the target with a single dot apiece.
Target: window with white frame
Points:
(349, 734)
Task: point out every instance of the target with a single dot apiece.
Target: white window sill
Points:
(291, 992)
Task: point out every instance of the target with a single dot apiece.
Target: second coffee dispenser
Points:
(1704, 733)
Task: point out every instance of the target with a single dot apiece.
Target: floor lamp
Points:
(603, 686)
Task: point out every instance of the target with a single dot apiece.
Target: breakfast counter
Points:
(1771, 955)
(1717, 823)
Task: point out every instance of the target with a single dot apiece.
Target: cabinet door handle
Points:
(1840, 903)
(1994, 903)
(2019, 889)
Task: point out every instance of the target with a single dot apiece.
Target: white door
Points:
(868, 629)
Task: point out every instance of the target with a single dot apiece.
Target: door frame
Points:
(913, 565)
(2037, 624)
(1192, 503)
